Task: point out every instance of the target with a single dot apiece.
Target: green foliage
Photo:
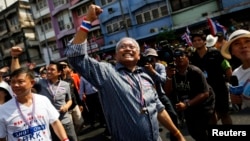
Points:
(166, 34)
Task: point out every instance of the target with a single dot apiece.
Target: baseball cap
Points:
(150, 52)
(179, 52)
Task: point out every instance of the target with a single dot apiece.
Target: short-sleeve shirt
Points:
(58, 94)
(15, 128)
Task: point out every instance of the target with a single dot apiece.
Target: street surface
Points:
(96, 134)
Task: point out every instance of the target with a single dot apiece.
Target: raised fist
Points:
(93, 12)
(16, 51)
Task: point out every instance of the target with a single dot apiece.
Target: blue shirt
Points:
(159, 77)
(86, 87)
(121, 93)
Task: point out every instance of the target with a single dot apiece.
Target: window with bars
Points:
(151, 14)
(180, 4)
(155, 13)
(83, 10)
(61, 22)
(105, 2)
(147, 16)
(139, 19)
(41, 4)
(118, 25)
(115, 26)
(129, 23)
(59, 2)
(14, 21)
(109, 29)
(53, 46)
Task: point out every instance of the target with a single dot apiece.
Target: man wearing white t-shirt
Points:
(28, 116)
(238, 46)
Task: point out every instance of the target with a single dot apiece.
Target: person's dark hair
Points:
(202, 36)
(19, 71)
(180, 51)
(8, 96)
(59, 66)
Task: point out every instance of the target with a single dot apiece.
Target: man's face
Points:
(66, 69)
(181, 60)
(241, 48)
(198, 42)
(21, 84)
(52, 72)
(127, 53)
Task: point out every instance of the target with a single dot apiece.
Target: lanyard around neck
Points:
(22, 115)
(53, 93)
(140, 87)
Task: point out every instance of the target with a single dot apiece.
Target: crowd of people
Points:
(131, 101)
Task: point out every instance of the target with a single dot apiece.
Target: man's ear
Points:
(32, 81)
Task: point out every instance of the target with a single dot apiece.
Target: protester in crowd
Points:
(5, 90)
(76, 78)
(28, 115)
(32, 67)
(76, 106)
(5, 94)
(211, 40)
(217, 70)
(221, 40)
(56, 90)
(43, 72)
(189, 91)
(238, 46)
(90, 94)
(158, 74)
(128, 97)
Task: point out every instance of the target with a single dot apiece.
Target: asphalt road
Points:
(96, 134)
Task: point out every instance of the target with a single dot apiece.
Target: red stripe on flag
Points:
(211, 26)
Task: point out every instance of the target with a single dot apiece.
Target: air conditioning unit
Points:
(110, 10)
(204, 14)
(153, 30)
(68, 26)
(112, 42)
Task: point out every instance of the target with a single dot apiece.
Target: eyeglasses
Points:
(124, 46)
(65, 66)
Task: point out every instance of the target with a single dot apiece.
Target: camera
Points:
(145, 59)
(149, 59)
(171, 64)
(166, 52)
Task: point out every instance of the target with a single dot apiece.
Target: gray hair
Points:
(124, 39)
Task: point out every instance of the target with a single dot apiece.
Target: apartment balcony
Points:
(60, 5)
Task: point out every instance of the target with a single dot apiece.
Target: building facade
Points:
(17, 28)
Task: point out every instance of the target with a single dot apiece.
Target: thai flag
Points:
(186, 37)
(187, 30)
(216, 27)
(145, 46)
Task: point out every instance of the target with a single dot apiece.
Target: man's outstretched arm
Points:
(93, 12)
